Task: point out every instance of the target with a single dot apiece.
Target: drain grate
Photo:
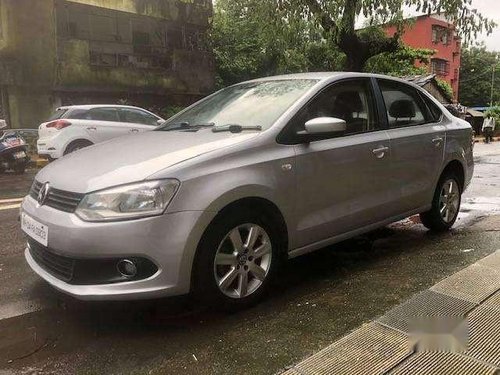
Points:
(492, 260)
(439, 363)
(474, 283)
(291, 371)
(493, 302)
(484, 335)
(427, 304)
(371, 349)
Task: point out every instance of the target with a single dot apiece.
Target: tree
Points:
(398, 63)
(253, 38)
(337, 19)
(476, 77)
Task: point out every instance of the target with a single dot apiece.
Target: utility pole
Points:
(493, 69)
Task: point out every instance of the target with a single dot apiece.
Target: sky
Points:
(490, 9)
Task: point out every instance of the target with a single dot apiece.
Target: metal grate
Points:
(59, 199)
(492, 260)
(371, 349)
(474, 283)
(424, 305)
(439, 363)
(484, 335)
(58, 266)
(493, 302)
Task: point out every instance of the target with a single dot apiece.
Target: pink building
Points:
(436, 33)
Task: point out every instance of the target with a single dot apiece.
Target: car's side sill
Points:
(341, 237)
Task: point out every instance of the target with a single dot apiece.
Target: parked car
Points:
(75, 127)
(262, 171)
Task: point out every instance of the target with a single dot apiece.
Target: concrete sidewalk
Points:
(451, 328)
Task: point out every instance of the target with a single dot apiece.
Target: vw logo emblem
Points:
(43, 193)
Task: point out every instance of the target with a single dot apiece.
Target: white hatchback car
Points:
(75, 127)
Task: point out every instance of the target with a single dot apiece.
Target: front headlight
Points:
(132, 201)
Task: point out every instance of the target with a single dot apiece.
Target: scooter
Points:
(13, 151)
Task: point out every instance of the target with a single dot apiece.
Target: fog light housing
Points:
(127, 268)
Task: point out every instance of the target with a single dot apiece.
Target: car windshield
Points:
(248, 105)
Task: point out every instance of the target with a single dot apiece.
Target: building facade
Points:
(436, 33)
(151, 53)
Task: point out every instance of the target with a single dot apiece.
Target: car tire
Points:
(77, 145)
(445, 204)
(220, 275)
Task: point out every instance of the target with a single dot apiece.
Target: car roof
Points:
(93, 106)
(321, 76)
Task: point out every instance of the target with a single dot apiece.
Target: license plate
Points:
(20, 155)
(34, 229)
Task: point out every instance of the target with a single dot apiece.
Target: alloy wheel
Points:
(243, 260)
(449, 200)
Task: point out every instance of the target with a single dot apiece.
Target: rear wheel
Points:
(237, 258)
(77, 145)
(445, 204)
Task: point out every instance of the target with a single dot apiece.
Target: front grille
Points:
(58, 199)
(57, 265)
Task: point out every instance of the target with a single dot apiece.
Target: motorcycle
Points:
(13, 151)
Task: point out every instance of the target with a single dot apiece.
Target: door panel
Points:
(344, 179)
(417, 154)
(417, 144)
(342, 185)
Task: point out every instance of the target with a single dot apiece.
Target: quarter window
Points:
(434, 111)
(403, 104)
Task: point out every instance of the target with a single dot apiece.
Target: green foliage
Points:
(251, 38)
(400, 63)
(495, 113)
(446, 88)
(477, 66)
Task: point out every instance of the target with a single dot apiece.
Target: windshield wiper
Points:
(235, 128)
(187, 126)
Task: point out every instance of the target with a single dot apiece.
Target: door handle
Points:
(92, 128)
(437, 141)
(134, 131)
(380, 151)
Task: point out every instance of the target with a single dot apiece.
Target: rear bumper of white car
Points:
(52, 147)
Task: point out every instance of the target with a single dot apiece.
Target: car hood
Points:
(132, 158)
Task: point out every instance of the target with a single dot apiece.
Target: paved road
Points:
(318, 298)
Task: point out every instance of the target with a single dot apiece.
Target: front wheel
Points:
(445, 204)
(236, 260)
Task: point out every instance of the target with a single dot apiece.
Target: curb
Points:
(451, 328)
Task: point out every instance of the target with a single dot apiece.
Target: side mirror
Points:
(160, 122)
(325, 125)
(322, 126)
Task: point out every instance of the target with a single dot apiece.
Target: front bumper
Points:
(169, 241)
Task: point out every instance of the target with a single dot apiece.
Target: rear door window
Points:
(434, 111)
(403, 104)
(104, 114)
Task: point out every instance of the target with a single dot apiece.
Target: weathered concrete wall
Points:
(39, 63)
(182, 10)
(27, 53)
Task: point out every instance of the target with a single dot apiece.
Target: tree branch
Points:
(326, 22)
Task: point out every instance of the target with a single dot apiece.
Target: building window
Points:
(441, 34)
(440, 67)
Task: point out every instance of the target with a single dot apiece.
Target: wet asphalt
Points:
(316, 299)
